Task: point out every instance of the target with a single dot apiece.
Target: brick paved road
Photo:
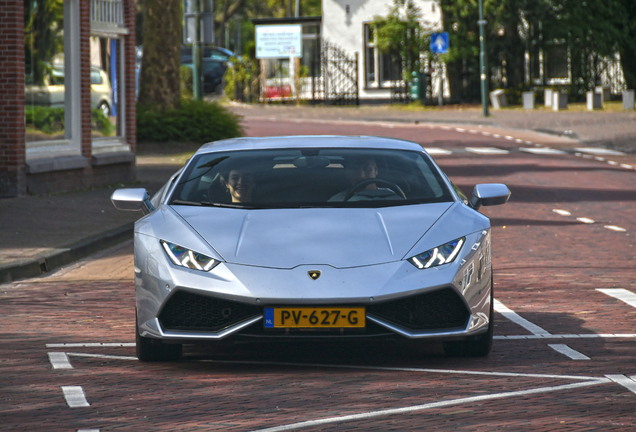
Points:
(549, 268)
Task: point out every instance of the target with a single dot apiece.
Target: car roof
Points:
(308, 141)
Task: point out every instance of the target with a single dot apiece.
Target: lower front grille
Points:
(442, 309)
(187, 311)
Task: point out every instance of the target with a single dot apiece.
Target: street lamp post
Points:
(483, 67)
(196, 53)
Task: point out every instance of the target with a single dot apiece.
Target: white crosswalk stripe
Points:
(620, 294)
(541, 150)
(486, 150)
(437, 151)
(599, 151)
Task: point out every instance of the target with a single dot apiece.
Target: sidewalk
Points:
(41, 233)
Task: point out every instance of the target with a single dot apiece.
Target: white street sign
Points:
(278, 41)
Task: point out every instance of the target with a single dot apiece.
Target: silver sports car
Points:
(305, 237)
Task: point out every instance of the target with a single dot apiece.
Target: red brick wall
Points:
(131, 117)
(12, 172)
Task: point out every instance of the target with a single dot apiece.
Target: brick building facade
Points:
(32, 161)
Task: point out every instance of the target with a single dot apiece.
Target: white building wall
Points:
(343, 24)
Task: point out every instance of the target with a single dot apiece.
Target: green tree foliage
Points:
(402, 32)
(243, 10)
(582, 32)
(195, 121)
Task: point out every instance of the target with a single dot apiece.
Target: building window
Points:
(106, 73)
(52, 85)
(45, 92)
(380, 69)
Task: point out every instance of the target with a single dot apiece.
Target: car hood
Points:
(287, 238)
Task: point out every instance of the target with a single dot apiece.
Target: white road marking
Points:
(460, 130)
(75, 397)
(404, 410)
(541, 151)
(486, 134)
(509, 138)
(598, 151)
(626, 166)
(91, 344)
(620, 294)
(587, 156)
(445, 128)
(437, 151)
(612, 163)
(567, 351)
(562, 212)
(472, 131)
(529, 142)
(626, 382)
(599, 159)
(519, 140)
(102, 356)
(88, 430)
(512, 316)
(496, 135)
(615, 228)
(568, 336)
(487, 150)
(402, 369)
(585, 220)
(59, 360)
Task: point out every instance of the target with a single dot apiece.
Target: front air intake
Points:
(194, 312)
(437, 310)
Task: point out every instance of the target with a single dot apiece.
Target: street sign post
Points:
(439, 45)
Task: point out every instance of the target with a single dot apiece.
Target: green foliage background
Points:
(195, 121)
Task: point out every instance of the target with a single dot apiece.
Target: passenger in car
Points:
(239, 184)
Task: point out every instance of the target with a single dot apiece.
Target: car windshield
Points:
(311, 177)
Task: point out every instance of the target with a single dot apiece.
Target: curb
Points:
(62, 256)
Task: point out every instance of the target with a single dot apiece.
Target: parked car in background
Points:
(208, 52)
(212, 71)
(51, 93)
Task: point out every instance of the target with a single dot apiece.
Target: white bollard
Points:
(594, 101)
(547, 95)
(628, 99)
(528, 100)
(559, 101)
(498, 99)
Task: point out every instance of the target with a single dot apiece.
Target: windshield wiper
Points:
(185, 202)
(211, 204)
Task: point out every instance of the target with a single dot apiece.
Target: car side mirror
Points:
(133, 199)
(489, 194)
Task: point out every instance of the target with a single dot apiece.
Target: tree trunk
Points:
(159, 86)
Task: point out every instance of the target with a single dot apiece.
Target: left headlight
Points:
(443, 254)
(186, 258)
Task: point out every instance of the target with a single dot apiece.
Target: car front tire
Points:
(154, 350)
(480, 345)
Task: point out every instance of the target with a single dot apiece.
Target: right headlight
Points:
(186, 258)
(443, 254)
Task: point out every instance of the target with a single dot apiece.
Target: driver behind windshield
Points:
(358, 170)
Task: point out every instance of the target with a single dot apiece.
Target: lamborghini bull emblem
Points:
(314, 274)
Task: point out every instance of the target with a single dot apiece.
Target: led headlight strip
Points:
(186, 258)
(439, 255)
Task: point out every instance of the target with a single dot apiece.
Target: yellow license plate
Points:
(314, 317)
